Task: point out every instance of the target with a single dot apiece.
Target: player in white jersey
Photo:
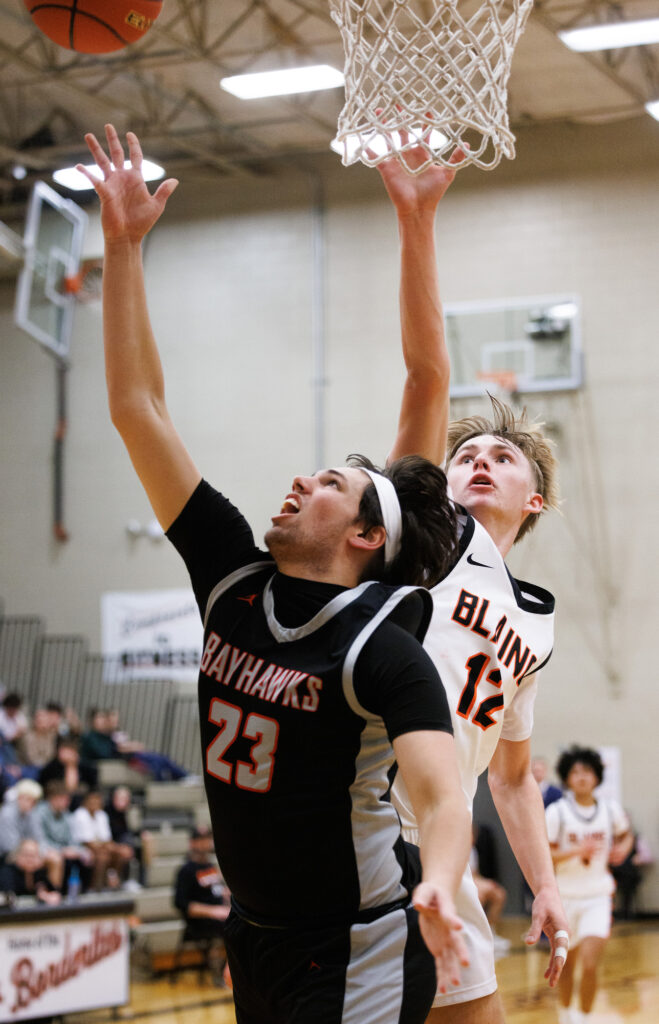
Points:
(585, 833)
(489, 633)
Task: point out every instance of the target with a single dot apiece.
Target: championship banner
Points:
(151, 634)
(58, 967)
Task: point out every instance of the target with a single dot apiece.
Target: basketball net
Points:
(502, 383)
(428, 74)
(87, 285)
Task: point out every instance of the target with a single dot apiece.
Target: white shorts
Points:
(588, 917)
(478, 979)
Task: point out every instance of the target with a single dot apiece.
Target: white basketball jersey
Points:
(488, 635)
(568, 824)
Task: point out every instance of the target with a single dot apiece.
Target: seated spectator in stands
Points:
(159, 766)
(202, 897)
(57, 834)
(91, 828)
(11, 770)
(19, 821)
(64, 721)
(97, 743)
(141, 843)
(38, 744)
(68, 767)
(13, 722)
(627, 867)
(540, 772)
(27, 874)
(491, 894)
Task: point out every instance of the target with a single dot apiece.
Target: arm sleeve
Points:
(518, 716)
(213, 538)
(396, 679)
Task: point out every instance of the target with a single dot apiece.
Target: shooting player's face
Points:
(317, 516)
(489, 474)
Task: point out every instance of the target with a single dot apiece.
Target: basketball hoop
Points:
(504, 383)
(427, 73)
(87, 285)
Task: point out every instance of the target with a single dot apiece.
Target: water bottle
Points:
(73, 890)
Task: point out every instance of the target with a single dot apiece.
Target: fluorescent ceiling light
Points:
(563, 311)
(70, 178)
(612, 36)
(653, 109)
(379, 145)
(283, 82)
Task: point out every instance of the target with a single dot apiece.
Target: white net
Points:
(427, 73)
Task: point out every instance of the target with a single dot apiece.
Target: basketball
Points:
(94, 26)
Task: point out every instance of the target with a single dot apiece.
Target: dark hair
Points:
(67, 741)
(56, 787)
(579, 755)
(12, 700)
(429, 538)
(52, 705)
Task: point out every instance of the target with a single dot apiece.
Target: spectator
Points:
(13, 722)
(91, 828)
(97, 743)
(161, 767)
(27, 874)
(11, 770)
(628, 875)
(19, 821)
(57, 834)
(203, 898)
(38, 744)
(539, 771)
(140, 844)
(63, 722)
(68, 767)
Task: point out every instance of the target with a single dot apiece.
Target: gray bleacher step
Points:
(173, 794)
(118, 773)
(168, 842)
(159, 936)
(162, 871)
(155, 904)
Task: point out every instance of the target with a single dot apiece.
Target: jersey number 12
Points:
(482, 717)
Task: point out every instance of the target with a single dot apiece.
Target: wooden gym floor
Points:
(628, 993)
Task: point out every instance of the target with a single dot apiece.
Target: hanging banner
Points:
(151, 634)
(63, 966)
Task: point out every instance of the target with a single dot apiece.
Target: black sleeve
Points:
(183, 889)
(396, 679)
(213, 538)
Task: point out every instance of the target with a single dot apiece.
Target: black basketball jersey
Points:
(297, 725)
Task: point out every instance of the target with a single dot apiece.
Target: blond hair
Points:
(526, 436)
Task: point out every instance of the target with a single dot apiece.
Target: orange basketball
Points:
(94, 26)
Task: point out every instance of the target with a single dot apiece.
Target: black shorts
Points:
(375, 973)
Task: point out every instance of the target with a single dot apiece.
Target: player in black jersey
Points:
(312, 683)
(502, 471)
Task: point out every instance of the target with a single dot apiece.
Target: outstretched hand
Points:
(128, 210)
(440, 927)
(412, 194)
(548, 916)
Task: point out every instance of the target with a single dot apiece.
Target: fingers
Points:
(99, 154)
(91, 178)
(114, 147)
(164, 190)
(134, 150)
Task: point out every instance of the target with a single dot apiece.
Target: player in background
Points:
(308, 689)
(586, 833)
(489, 633)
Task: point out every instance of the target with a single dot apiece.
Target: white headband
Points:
(391, 513)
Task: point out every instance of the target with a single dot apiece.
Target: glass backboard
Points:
(54, 235)
(537, 340)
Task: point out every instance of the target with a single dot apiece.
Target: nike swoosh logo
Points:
(472, 561)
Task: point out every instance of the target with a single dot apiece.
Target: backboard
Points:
(54, 235)
(536, 340)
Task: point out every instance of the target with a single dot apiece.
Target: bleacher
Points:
(41, 668)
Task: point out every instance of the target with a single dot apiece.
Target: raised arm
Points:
(134, 376)
(424, 413)
(427, 762)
